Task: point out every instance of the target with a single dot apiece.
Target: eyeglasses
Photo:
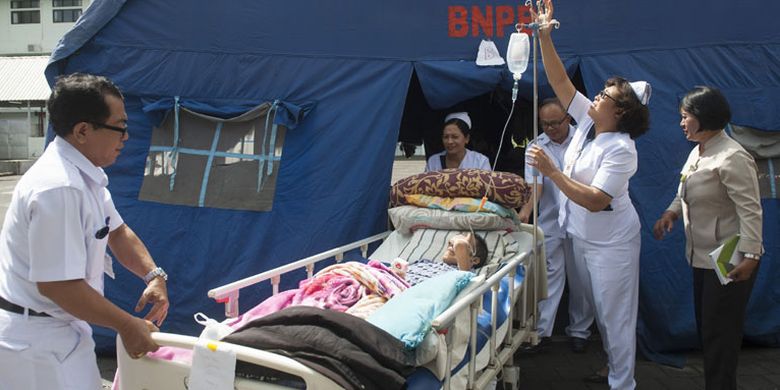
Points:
(98, 125)
(546, 124)
(103, 232)
(603, 94)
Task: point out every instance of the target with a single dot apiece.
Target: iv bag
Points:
(517, 54)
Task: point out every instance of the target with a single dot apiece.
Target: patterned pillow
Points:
(461, 204)
(504, 188)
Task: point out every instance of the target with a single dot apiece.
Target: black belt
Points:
(14, 308)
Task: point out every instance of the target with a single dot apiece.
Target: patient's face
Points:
(460, 252)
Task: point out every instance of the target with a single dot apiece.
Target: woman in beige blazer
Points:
(718, 197)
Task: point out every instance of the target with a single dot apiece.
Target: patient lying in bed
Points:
(464, 252)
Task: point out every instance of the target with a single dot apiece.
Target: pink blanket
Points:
(337, 287)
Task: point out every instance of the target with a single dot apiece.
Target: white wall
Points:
(19, 139)
(15, 38)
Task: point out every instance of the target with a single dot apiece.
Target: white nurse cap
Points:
(464, 116)
(642, 90)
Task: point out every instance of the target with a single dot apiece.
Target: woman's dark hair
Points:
(79, 97)
(481, 250)
(460, 124)
(635, 119)
(709, 106)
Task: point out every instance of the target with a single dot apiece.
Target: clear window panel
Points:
(25, 4)
(25, 17)
(66, 3)
(160, 164)
(66, 15)
(245, 145)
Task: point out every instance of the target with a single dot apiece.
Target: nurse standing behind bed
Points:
(455, 136)
(595, 208)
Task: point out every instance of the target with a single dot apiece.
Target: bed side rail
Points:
(228, 294)
(151, 373)
(499, 354)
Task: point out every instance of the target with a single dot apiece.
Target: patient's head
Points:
(466, 251)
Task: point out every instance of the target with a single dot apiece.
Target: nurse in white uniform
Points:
(455, 136)
(595, 208)
(53, 249)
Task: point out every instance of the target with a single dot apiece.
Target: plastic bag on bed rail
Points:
(213, 330)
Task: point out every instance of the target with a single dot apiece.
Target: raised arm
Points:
(556, 72)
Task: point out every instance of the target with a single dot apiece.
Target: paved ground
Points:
(7, 184)
(557, 367)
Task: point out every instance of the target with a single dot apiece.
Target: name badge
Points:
(108, 266)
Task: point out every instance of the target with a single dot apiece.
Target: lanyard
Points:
(590, 136)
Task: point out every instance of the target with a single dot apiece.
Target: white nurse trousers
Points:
(611, 272)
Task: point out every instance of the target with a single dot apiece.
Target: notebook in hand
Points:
(725, 258)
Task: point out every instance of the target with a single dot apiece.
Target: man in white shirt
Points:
(555, 123)
(53, 249)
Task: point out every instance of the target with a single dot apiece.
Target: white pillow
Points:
(410, 218)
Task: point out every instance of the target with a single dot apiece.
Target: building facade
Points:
(33, 27)
(29, 32)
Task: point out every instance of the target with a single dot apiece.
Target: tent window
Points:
(203, 161)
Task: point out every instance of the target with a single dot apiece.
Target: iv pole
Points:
(534, 27)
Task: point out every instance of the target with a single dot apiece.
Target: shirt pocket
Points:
(96, 242)
(64, 345)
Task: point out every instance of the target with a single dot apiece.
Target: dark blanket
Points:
(350, 351)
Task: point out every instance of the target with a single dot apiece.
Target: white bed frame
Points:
(151, 374)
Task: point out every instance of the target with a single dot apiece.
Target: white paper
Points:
(488, 54)
(213, 367)
(730, 259)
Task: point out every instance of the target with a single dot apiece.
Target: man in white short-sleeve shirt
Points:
(556, 125)
(53, 249)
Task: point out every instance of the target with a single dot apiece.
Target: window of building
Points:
(204, 161)
(66, 3)
(25, 3)
(25, 17)
(66, 15)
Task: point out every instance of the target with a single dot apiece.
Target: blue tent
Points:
(338, 73)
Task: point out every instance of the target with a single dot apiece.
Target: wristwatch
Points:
(752, 256)
(155, 273)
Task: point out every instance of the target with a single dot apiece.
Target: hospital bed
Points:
(476, 336)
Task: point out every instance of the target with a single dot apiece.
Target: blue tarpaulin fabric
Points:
(288, 114)
(348, 65)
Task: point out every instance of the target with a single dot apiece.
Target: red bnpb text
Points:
(487, 21)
